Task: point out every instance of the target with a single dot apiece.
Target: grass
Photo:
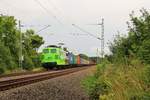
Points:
(119, 82)
(38, 69)
(19, 70)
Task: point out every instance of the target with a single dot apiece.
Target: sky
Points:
(61, 14)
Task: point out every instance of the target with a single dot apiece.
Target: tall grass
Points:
(119, 82)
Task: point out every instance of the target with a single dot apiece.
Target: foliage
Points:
(92, 84)
(10, 45)
(31, 44)
(137, 43)
(119, 83)
(127, 77)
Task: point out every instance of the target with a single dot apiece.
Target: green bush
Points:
(119, 82)
(2, 68)
(27, 63)
(90, 84)
(95, 87)
(36, 60)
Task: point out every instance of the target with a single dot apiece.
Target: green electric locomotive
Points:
(53, 56)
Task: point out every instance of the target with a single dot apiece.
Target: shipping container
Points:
(78, 60)
(75, 59)
(71, 58)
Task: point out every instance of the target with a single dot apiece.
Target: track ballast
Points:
(13, 83)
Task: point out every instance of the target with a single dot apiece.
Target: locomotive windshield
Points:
(53, 50)
(46, 51)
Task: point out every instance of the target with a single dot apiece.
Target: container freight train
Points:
(54, 56)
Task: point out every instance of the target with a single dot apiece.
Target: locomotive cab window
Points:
(46, 51)
(53, 50)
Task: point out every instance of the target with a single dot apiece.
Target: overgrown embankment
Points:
(119, 82)
(124, 75)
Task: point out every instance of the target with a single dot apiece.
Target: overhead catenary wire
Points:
(102, 37)
(59, 10)
(54, 6)
(48, 11)
(43, 28)
(32, 25)
(86, 32)
(77, 34)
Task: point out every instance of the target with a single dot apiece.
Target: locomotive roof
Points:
(53, 46)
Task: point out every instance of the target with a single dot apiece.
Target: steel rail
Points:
(21, 73)
(12, 83)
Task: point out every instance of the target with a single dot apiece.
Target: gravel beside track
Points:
(66, 87)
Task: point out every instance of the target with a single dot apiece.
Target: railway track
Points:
(17, 82)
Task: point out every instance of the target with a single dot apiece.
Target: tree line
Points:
(10, 46)
(124, 75)
(137, 43)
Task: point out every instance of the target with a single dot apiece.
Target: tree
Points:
(10, 45)
(31, 43)
(9, 41)
(137, 43)
(140, 35)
